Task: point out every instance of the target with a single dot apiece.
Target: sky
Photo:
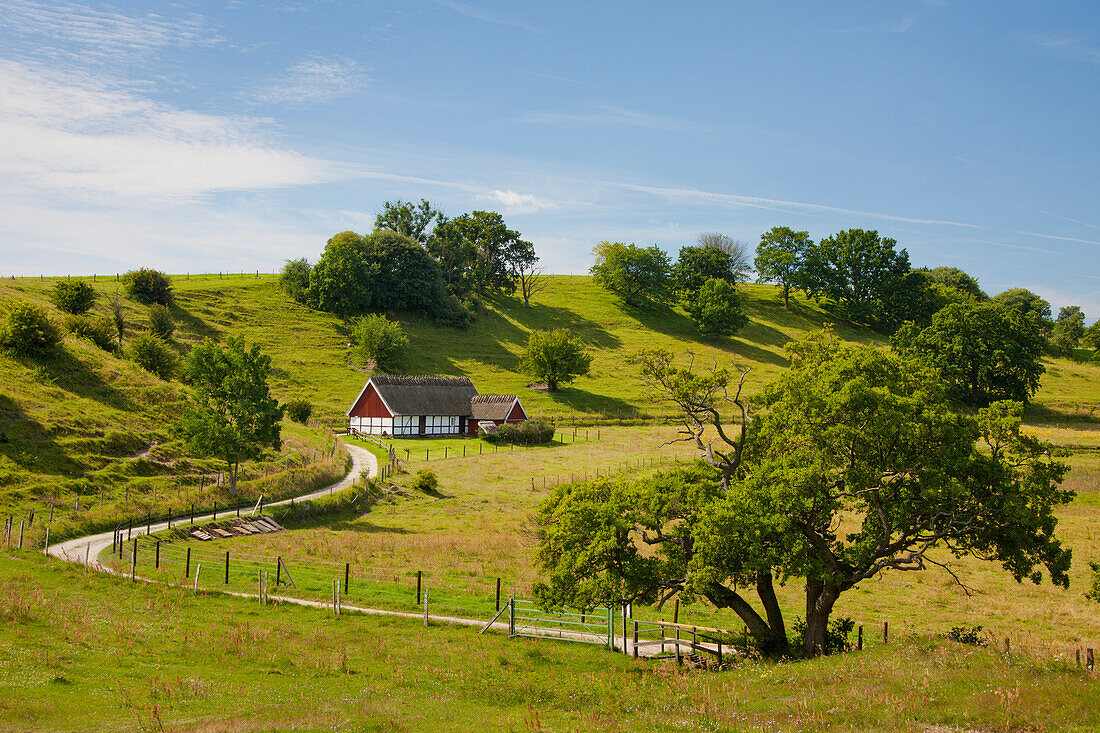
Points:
(200, 137)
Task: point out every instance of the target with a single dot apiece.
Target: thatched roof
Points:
(492, 406)
(425, 395)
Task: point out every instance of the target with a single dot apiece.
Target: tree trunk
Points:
(765, 634)
(787, 297)
(233, 476)
(820, 598)
(765, 588)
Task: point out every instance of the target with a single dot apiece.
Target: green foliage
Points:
(982, 351)
(73, 296)
(738, 251)
(412, 220)
(971, 635)
(779, 259)
(1068, 330)
(148, 286)
(696, 265)
(425, 481)
(1094, 593)
(27, 329)
(556, 357)
(299, 410)
(118, 315)
(341, 280)
(1091, 336)
(100, 331)
(836, 635)
(717, 309)
(294, 279)
(407, 279)
(860, 272)
(379, 340)
(231, 414)
(528, 432)
(958, 280)
(161, 323)
(152, 355)
(641, 277)
(1025, 302)
(479, 253)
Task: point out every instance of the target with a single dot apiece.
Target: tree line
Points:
(417, 260)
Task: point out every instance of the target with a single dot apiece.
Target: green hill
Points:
(90, 424)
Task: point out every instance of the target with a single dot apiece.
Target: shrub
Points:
(380, 340)
(556, 357)
(1094, 594)
(161, 323)
(295, 278)
(967, 635)
(28, 330)
(148, 286)
(836, 637)
(299, 411)
(100, 331)
(425, 481)
(152, 355)
(717, 309)
(528, 432)
(73, 296)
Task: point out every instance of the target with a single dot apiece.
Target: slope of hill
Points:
(88, 423)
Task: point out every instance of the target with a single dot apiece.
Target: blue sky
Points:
(194, 136)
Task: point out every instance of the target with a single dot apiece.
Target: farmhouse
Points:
(423, 406)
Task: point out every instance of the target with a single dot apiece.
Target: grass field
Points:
(82, 652)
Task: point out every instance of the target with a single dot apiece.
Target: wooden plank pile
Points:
(236, 527)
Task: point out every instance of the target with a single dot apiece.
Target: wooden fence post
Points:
(624, 629)
(157, 565)
(859, 641)
(347, 577)
(498, 594)
(192, 512)
(187, 567)
(215, 511)
(133, 562)
(418, 587)
(425, 607)
(1088, 659)
(512, 616)
(885, 632)
(227, 567)
(278, 571)
(46, 546)
(21, 534)
(635, 639)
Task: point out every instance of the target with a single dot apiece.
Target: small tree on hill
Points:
(717, 309)
(555, 357)
(118, 315)
(412, 220)
(148, 286)
(27, 329)
(1025, 302)
(161, 323)
(340, 282)
(532, 280)
(1068, 329)
(379, 340)
(738, 252)
(641, 277)
(294, 279)
(231, 414)
(696, 265)
(152, 355)
(73, 296)
(779, 259)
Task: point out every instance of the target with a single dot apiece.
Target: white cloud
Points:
(74, 134)
(102, 34)
(1069, 47)
(313, 81)
(517, 203)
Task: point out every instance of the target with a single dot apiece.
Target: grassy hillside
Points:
(88, 423)
(87, 652)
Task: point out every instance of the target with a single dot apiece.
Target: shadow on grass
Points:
(27, 443)
(66, 371)
(542, 317)
(581, 400)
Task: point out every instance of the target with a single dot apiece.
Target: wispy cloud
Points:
(1069, 47)
(78, 135)
(900, 26)
(312, 81)
(105, 34)
(609, 115)
(709, 197)
(476, 13)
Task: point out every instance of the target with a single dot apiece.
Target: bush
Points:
(100, 331)
(967, 635)
(295, 278)
(425, 481)
(299, 411)
(836, 638)
(717, 309)
(1094, 594)
(161, 323)
(73, 296)
(152, 355)
(380, 340)
(28, 330)
(528, 432)
(148, 286)
(556, 357)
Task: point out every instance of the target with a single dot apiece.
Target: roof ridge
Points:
(421, 379)
(493, 398)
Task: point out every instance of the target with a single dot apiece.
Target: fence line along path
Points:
(86, 550)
